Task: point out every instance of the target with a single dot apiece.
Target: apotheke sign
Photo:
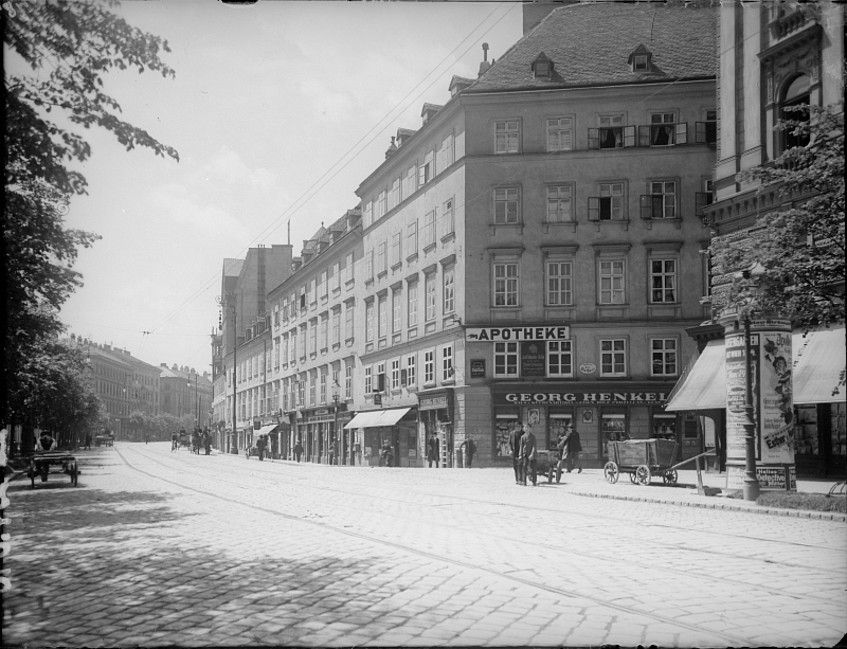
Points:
(500, 334)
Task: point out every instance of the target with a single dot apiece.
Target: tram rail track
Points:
(269, 475)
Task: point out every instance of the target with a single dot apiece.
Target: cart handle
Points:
(695, 457)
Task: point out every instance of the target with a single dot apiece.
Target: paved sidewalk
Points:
(592, 483)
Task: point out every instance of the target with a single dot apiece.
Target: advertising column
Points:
(770, 367)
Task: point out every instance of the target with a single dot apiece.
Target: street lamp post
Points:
(339, 447)
(229, 303)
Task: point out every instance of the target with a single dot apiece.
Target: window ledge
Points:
(427, 248)
(412, 257)
(381, 274)
(348, 283)
(559, 226)
(396, 266)
(448, 382)
(507, 227)
(450, 236)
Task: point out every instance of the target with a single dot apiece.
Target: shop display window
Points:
(806, 431)
(558, 423)
(839, 429)
(612, 428)
(503, 426)
(663, 427)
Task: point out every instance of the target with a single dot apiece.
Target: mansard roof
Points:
(590, 44)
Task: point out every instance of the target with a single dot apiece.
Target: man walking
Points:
(298, 450)
(527, 456)
(515, 446)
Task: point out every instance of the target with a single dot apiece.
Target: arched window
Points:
(796, 94)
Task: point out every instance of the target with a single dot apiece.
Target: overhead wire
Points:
(325, 178)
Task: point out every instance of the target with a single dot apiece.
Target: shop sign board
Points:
(775, 478)
(477, 368)
(525, 333)
(434, 402)
(593, 398)
(533, 359)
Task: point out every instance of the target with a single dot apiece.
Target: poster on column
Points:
(736, 391)
(775, 402)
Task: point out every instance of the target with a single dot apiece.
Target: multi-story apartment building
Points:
(772, 56)
(243, 330)
(315, 342)
(123, 383)
(532, 253)
(186, 394)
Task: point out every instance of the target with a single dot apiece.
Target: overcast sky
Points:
(278, 110)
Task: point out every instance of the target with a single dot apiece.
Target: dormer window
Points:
(542, 67)
(639, 59)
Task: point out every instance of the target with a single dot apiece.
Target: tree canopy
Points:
(794, 255)
(68, 48)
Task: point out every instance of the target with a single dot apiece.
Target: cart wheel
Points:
(642, 474)
(611, 472)
(632, 478)
(670, 476)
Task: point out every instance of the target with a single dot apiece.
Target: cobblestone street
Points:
(162, 548)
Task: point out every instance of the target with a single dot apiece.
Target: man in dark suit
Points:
(527, 456)
(515, 447)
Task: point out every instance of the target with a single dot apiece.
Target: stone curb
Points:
(720, 504)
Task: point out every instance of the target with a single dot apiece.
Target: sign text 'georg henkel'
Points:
(525, 333)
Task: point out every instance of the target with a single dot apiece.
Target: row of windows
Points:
(560, 282)
(613, 354)
(318, 386)
(608, 203)
(390, 252)
(379, 321)
(436, 364)
(416, 176)
(316, 290)
(611, 131)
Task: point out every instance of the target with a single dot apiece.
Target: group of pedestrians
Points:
(200, 439)
(524, 446)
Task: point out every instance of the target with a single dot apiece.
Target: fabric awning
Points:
(818, 373)
(704, 386)
(819, 366)
(266, 430)
(374, 418)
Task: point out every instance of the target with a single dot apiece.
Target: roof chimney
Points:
(483, 67)
(391, 149)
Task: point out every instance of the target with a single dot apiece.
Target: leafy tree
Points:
(794, 255)
(59, 396)
(68, 48)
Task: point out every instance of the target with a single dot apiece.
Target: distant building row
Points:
(125, 384)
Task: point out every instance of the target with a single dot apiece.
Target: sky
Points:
(279, 110)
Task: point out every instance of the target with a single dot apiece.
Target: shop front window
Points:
(663, 427)
(503, 426)
(612, 428)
